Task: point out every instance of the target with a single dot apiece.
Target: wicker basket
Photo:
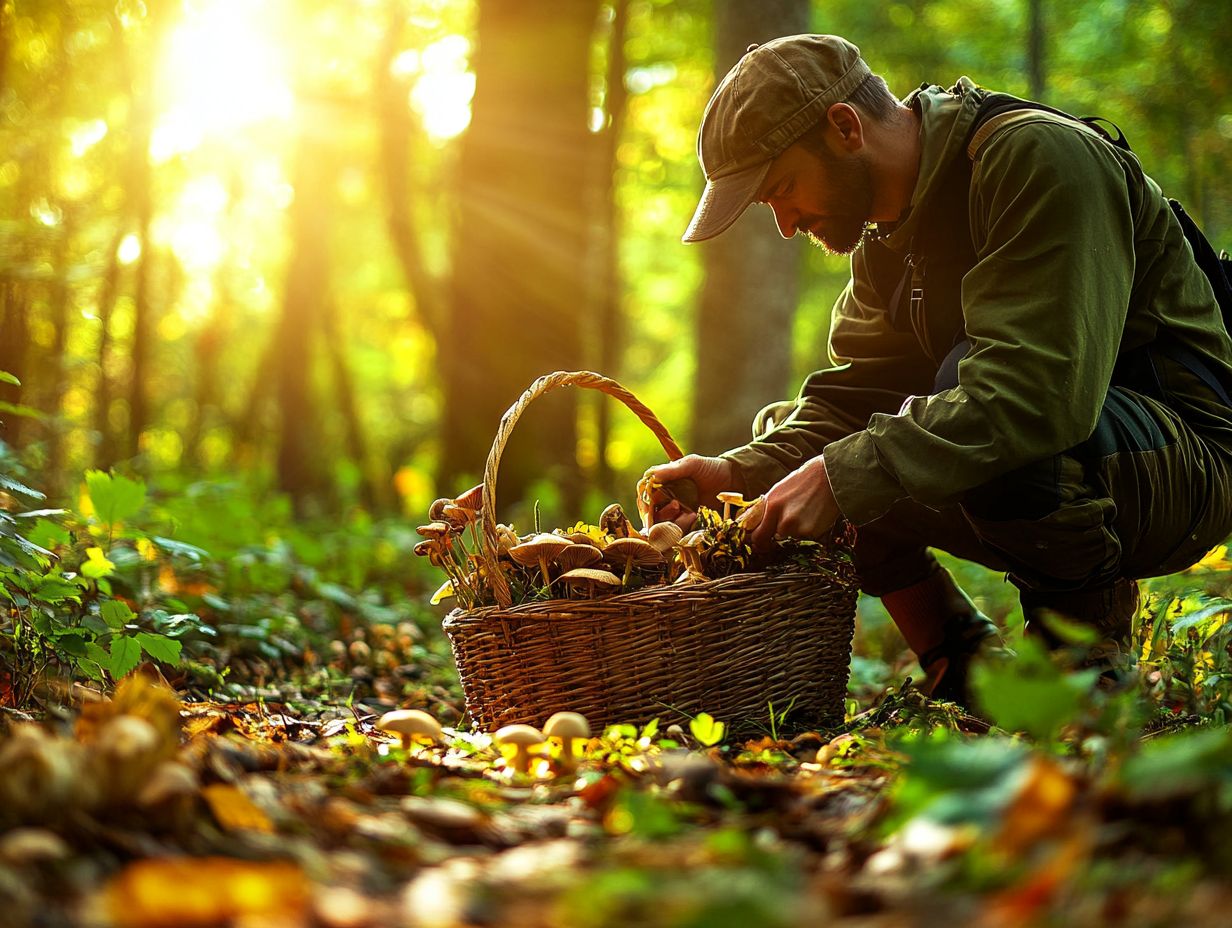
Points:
(731, 647)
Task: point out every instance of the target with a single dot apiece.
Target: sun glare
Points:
(221, 71)
(442, 94)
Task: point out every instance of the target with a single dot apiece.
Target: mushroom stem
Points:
(543, 568)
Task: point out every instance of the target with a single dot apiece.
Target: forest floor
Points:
(248, 786)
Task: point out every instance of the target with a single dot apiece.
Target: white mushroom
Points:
(570, 728)
(522, 738)
(411, 726)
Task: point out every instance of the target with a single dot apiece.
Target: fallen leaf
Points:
(234, 810)
(200, 892)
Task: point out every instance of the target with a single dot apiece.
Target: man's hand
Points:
(710, 475)
(801, 505)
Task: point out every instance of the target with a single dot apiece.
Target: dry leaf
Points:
(234, 810)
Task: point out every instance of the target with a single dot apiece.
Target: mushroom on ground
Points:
(522, 738)
(570, 728)
(627, 553)
(411, 726)
(589, 578)
(542, 549)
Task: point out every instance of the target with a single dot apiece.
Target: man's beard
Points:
(841, 233)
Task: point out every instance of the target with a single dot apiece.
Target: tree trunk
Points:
(609, 309)
(300, 453)
(141, 198)
(518, 287)
(1036, 47)
(58, 303)
(352, 422)
(396, 128)
(751, 289)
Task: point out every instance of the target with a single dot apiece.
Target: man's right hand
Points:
(711, 476)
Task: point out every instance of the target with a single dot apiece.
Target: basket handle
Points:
(545, 384)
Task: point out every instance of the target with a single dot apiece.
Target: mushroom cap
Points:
(471, 499)
(436, 511)
(614, 521)
(579, 555)
(434, 529)
(635, 549)
(410, 722)
(590, 575)
(695, 539)
(459, 516)
(732, 497)
(664, 535)
(567, 725)
(521, 735)
(543, 545)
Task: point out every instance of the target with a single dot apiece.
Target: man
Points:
(1030, 370)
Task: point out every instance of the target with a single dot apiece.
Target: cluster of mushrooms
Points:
(584, 561)
(523, 743)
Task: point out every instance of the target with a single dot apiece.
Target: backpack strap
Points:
(990, 127)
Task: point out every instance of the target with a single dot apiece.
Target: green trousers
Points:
(1146, 495)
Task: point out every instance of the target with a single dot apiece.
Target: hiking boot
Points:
(944, 628)
(1109, 609)
(947, 666)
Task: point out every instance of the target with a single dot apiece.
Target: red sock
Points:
(920, 611)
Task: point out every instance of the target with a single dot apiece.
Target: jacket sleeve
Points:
(875, 368)
(1044, 309)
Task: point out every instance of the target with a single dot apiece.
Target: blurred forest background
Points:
(316, 247)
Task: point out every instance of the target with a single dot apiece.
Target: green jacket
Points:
(1078, 259)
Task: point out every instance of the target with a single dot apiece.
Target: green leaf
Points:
(97, 566)
(116, 613)
(72, 643)
(954, 782)
(160, 647)
(114, 496)
(47, 534)
(22, 410)
(1030, 693)
(180, 549)
(8, 483)
(125, 652)
(6, 377)
(55, 589)
(1179, 764)
(707, 730)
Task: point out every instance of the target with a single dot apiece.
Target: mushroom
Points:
(542, 549)
(411, 726)
(730, 498)
(434, 530)
(589, 578)
(436, 512)
(690, 548)
(522, 738)
(570, 728)
(579, 555)
(626, 553)
(506, 538)
(614, 522)
(664, 535)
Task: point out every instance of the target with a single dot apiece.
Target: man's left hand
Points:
(801, 505)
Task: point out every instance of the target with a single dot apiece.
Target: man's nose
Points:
(785, 218)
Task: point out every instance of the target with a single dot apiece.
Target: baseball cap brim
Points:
(723, 200)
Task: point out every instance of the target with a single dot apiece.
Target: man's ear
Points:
(846, 122)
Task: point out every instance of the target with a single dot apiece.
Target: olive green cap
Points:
(773, 95)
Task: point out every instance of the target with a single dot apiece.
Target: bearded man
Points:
(1029, 369)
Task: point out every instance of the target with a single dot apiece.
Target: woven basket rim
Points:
(546, 608)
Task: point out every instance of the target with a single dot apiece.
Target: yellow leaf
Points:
(235, 811)
(201, 892)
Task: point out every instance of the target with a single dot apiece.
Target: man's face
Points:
(828, 197)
